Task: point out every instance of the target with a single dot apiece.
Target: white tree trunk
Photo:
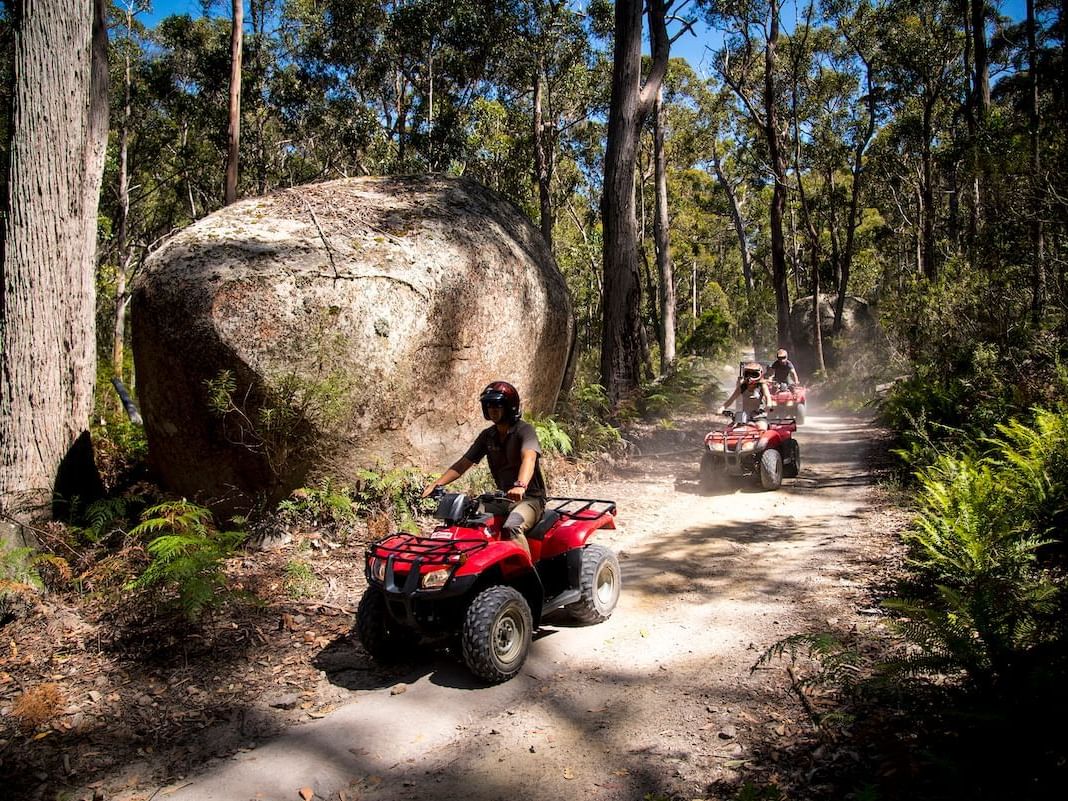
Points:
(234, 130)
(47, 317)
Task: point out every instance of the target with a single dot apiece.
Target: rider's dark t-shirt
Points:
(780, 370)
(504, 458)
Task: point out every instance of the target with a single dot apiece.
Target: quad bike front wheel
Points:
(771, 469)
(381, 636)
(599, 584)
(496, 633)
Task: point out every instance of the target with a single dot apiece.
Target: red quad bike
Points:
(742, 450)
(789, 400)
(463, 581)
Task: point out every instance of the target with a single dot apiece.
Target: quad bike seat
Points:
(548, 520)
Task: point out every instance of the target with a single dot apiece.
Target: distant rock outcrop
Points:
(857, 320)
(340, 325)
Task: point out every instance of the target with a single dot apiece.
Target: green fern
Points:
(187, 555)
(552, 437)
(396, 493)
(839, 666)
(18, 568)
(982, 521)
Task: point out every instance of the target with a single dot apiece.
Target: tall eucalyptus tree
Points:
(54, 161)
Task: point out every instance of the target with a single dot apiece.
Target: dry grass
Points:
(38, 705)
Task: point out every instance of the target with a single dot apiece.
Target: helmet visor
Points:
(750, 373)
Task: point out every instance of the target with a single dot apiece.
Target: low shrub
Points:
(187, 554)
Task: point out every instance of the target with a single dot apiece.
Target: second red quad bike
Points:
(789, 401)
(743, 450)
(463, 582)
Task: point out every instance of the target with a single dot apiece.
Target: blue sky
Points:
(692, 48)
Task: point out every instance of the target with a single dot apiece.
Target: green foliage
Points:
(18, 569)
(839, 665)
(587, 412)
(187, 554)
(552, 437)
(759, 792)
(711, 337)
(325, 506)
(300, 580)
(289, 422)
(1033, 459)
(106, 516)
(684, 389)
(983, 601)
(395, 493)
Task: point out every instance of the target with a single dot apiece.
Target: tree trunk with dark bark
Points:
(542, 163)
(1038, 270)
(927, 248)
(621, 352)
(47, 266)
(743, 244)
(778, 199)
(846, 262)
(663, 244)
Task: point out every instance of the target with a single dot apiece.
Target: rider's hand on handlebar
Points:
(429, 489)
(516, 494)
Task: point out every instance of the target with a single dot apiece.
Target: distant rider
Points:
(782, 370)
(513, 453)
(753, 390)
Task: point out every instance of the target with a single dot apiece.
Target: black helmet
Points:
(503, 394)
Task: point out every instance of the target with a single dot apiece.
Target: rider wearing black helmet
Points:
(512, 453)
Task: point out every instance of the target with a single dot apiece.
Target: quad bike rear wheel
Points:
(599, 584)
(381, 636)
(771, 469)
(712, 478)
(496, 633)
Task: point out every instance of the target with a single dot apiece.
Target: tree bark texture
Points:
(47, 316)
(743, 245)
(661, 234)
(233, 135)
(927, 211)
(122, 247)
(1038, 270)
(778, 199)
(846, 263)
(621, 335)
(542, 162)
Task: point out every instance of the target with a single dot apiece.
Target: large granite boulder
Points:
(339, 325)
(857, 320)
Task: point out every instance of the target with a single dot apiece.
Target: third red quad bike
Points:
(463, 581)
(742, 450)
(789, 400)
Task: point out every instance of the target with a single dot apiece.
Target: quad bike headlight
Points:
(378, 569)
(748, 445)
(435, 578)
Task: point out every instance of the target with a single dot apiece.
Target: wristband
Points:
(522, 484)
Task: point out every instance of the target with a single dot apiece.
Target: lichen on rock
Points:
(340, 325)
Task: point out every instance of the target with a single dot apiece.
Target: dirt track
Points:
(660, 699)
